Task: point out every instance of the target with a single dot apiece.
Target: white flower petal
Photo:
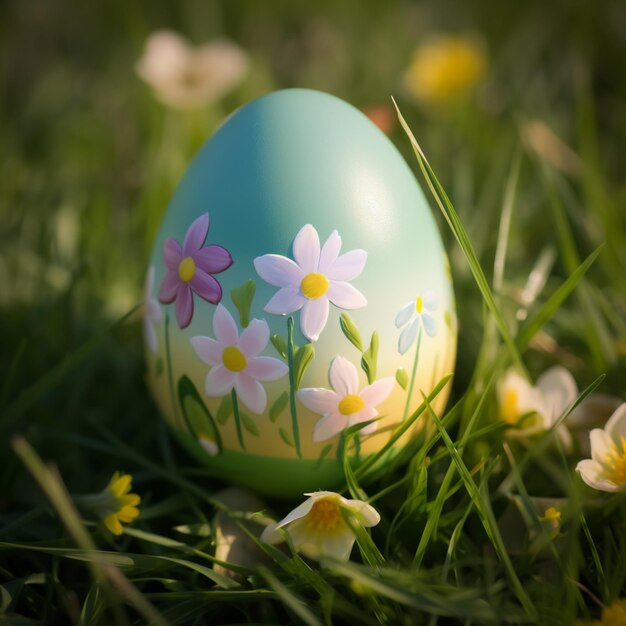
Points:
(528, 399)
(338, 546)
(222, 64)
(601, 444)
(378, 391)
(209, 350)
(430, 324)
(271, 535)
(166, 55)
(306, 249)
(343, 376)
(254, 338)
(219, 381)
(313, 318)
(150, 335)
(329, 426)
(616, 425)
(153, 311)
(348, 266)
(330, 252)
(224, 327)
(250, 392)
(266, 368)
(319, 400)
(345, 296)
(559, 391)
(592, 473)
(430, 300)
(210, 447)
(278, 270)
(286, 300)
(365, 513)
(407, 336)
(300, 511)
(366, 414)
(405, 313)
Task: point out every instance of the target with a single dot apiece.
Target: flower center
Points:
(325, 516)
(234, 359)
(509, 406)
(616, 463)
(314, 285)
(186, 269)
(350, 404)
(552, 514)
(419, 304)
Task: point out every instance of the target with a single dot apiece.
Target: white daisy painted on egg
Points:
(344, 405)
(314, 279)
(413, 315)
(606, 469)
(234, 360)
(152, 314)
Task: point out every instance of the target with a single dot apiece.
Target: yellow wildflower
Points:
(613, 615)
(123, 505)
(445, 69)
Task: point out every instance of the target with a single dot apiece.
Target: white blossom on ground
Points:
(317, 527)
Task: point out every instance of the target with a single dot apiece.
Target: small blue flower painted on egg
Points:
(414, 315)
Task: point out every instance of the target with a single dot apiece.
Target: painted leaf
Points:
(280, 344)
(369, 359)
(196, 415)
(249, 424)
(301, 360)
(242, 298)
(323, 454)
(225, 409)
(402, 377)
(277, 408)
(351, 331)
(286, 437)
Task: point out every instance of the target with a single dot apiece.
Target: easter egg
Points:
(298, 300)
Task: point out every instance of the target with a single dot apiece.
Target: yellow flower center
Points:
(419, 304)
(325, 516)
(616, 463)
(314, 285)
(552, 514)
(352, 403)
(234, 359)
(186, 269)
(508, 410)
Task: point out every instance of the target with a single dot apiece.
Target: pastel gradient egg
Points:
(298, 298)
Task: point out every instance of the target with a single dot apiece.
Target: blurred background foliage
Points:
(90, 159)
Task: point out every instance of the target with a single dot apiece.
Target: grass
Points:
(90, 160)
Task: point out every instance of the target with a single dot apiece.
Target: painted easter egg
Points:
(299, 300)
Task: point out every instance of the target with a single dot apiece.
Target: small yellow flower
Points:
(123, 505)
(445, 69)
(613, 615)
(552, 517)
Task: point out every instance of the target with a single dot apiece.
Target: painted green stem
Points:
(237, 419)
(292, 388)
(415, 361)
(170, 373)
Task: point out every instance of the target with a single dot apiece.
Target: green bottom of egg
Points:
(297, 286)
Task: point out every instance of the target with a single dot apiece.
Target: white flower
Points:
(316, 278)
(417, 313)
(185, 77)
(555, 391)
(317, 527)
(606, 469)
(152, 314)
(234, 361)
(345, 405)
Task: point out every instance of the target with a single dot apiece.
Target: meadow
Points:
(513, 119)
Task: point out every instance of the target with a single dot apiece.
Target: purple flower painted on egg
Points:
(190, 269)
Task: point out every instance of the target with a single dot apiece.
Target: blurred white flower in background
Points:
(187, 77)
